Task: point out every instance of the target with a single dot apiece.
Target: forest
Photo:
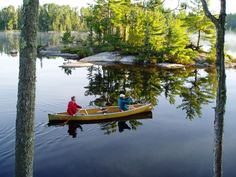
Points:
(231, 22)
(52, 17)
(145, 29)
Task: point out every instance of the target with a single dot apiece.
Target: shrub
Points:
(67, 38)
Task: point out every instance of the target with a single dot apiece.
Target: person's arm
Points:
(129, 100)
(126, 101)
(78, 106)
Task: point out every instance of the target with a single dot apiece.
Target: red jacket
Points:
(72, 108)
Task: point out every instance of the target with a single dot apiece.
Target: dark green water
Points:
(177, 141)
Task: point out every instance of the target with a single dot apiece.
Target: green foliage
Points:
(8, 18)
(175, 50)
(139, 29)
(67, 37)
(82, 50)
(197, 23)
(142, 28)
(52, 17)
(211, 57)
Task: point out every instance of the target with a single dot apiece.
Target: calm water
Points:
(177, 141)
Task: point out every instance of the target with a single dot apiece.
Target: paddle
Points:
(72, 116)
(86, 111)
(67, 121)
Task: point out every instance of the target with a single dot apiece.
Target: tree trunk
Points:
(90, 36)
(219, 126)
(221, 90)
(220, 100)
(26, 91)
(220, 57)
(220, 30)
(198, 40)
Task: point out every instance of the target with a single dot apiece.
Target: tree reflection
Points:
(113, 127)
(68, 71)
(193, 86)
(9, 42)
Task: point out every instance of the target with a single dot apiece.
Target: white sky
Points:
(231, 4)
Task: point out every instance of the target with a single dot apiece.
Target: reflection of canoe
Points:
(144, 115)
(96, 114)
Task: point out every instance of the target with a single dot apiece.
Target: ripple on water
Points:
(46, 136)
(7, 142)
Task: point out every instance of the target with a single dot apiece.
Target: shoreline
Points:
(106, 58)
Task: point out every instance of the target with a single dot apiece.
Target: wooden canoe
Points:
(105, 113)
(140, 116)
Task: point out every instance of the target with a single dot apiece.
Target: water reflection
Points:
(72, 129)
(107, 126)
(10, 41)
(123, 125)
(68, 71)
(113, 127)
(194, 87)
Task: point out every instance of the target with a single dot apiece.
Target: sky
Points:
(214, 4)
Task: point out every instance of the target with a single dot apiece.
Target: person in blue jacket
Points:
(122, 103)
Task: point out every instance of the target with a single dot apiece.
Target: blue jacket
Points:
(122, 103)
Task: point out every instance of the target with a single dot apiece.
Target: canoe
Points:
(140, 116)
(105, 113)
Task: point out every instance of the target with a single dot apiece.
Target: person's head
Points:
(122, 96)
(73, 98)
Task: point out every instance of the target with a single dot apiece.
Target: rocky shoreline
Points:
(115, 57)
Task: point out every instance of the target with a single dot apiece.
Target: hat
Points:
(122, 95)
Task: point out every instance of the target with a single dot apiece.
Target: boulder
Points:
(128, 59)
(109, 57)
(103, 57)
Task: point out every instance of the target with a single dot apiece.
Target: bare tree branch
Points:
(208, 13)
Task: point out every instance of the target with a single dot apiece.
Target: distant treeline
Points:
(52, 17)
(231, 22)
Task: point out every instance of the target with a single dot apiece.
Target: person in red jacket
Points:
(72, 107)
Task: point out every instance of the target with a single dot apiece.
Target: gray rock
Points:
(102, 57)
(109, 57)
(230, 65)
(170, 66)
(128, 59)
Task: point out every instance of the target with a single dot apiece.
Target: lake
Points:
(176, 140)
